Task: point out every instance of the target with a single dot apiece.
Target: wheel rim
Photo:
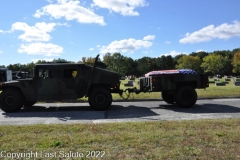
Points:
(100, 99)
(10, 100)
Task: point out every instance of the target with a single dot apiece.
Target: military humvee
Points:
(61, 81)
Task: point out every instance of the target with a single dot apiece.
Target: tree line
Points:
(224, 62)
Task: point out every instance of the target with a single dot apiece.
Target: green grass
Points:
(202, 139)
(219, 91)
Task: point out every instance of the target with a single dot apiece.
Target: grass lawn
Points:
(202, 139)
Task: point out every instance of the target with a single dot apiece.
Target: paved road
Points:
(51, 113)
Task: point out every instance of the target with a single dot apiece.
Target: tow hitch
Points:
(125, 94)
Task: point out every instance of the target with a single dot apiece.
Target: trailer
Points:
(176, 86)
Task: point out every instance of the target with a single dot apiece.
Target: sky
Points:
(32, 30)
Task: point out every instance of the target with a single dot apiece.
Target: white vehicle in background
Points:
(5, 75)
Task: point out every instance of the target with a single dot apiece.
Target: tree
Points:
(226, 53)
(216, 64)
(134, 70)
(189, 62)
(30, 67)
(88, 61)
(200, 54)
(10, 67)
(41, 62)
(223, 53)
(14, 67)
(169, 63)
(130, 66)
(236, 62)
(177, 57)
(236, 50)
(144, 65)
(60, 60)
(108, 60)
(164, 62)
(119, 63)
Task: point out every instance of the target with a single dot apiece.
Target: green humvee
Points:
(61, 81)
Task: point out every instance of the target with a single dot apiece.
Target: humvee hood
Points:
(17, 83)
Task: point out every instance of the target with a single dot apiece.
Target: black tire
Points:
(186, 96)
(168, 97)
(11, 100)
(100, 98)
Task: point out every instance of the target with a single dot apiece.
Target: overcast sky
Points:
(71, 29)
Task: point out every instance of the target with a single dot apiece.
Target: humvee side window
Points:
(74, 73)
(69, 73)
(45, 73)
(2, 76)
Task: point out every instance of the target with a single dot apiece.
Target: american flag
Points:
(180, 71)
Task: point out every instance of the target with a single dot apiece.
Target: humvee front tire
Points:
(168, 97)
(186, 96)
(100, 98)
(11, 100)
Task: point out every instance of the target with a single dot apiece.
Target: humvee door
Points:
(47, 83)
(68, 88)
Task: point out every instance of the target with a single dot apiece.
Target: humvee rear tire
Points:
(11, 100)
(100, 98)
(186, 96)
(168, 97)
